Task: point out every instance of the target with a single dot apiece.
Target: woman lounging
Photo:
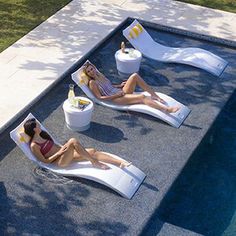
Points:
(45, 150)
(123, 94)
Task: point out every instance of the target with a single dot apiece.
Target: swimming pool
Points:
(161, 151)
(203, 197)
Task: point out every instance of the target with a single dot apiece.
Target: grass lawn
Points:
(224, 5)
(18, 17)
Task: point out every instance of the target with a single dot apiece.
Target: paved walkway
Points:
(35, 62)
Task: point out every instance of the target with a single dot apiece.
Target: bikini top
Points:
(46, 146)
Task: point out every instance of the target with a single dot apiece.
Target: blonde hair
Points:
(87, 64)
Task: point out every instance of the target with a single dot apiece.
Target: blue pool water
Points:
(203, 197)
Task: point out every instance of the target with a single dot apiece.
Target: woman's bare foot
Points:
(172, 109)
(125, 164)
(100, 166)
(157, 98)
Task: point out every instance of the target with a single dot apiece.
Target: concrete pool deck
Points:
(37, 61)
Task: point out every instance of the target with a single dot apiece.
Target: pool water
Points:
(203, 197)
(188, 185)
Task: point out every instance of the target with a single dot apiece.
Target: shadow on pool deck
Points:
(3, 208)
(203, 197)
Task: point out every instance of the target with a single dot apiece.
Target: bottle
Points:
(71, 95)
(122, 46)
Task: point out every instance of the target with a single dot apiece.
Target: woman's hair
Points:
(29, 127)
(87, 64)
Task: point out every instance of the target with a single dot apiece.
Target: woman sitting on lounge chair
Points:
(45, 150)
(123, 94)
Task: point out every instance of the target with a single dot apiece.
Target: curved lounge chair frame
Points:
(125, 181)
(174, 119)
(203, 59)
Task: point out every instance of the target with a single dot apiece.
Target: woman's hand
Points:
(120, 94)
(62, 150)
(122, 84)
(119, 85)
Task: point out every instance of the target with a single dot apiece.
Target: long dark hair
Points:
(29, 126)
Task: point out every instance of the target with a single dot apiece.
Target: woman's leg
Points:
(101, 156)
(129, 99)
(67, 157)
(135, 80)
(81, 154)
(75, 152)
(152, 103)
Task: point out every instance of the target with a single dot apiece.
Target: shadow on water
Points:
(191, 126)
(150, 186)
(4, 209)
(34, 204)
(136, 119)
(203, 197)
(5, 149)
(57, 179)
(40, 201)
(105, 228)
(100, 132)
(94, 185)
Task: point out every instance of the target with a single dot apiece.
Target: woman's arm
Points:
(117, 85)
(36, 151)
(95, 90)
(121, 85)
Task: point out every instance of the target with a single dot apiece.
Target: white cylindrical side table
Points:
(78, 119)
(128, 62)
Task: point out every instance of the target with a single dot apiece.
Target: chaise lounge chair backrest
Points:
(142, 41)
(80, 79)
(22, 139)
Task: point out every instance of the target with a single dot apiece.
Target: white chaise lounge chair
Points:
(142, 41)
(174, 119)
(125, 181)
